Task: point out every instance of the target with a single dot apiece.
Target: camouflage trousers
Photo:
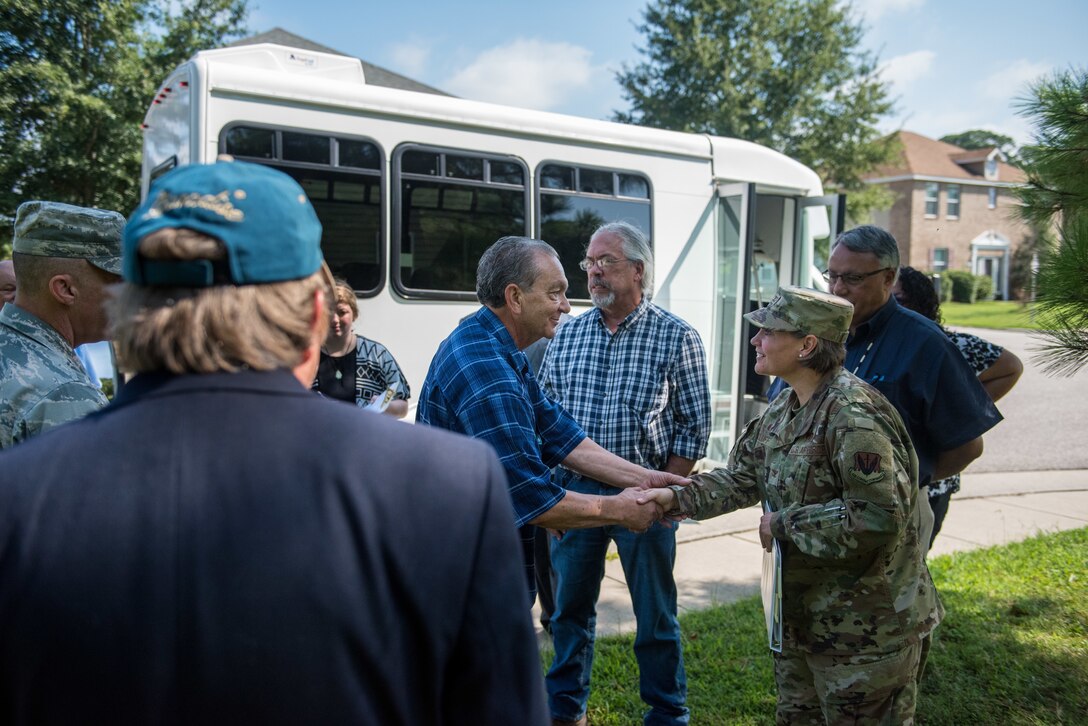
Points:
(854, 689)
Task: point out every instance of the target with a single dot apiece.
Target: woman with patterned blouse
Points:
(997, 369)
(356, 369)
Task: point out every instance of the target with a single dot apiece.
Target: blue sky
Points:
(954, 65)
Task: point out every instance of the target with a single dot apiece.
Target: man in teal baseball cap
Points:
(64, 259)
(238, 556)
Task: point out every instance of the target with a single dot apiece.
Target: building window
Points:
(940, 259)
(952, 205)
(575, 200)
(993, 198)
(933, 194)
(991, 168)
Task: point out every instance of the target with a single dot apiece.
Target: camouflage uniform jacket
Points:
(842, 476)
(42, 382)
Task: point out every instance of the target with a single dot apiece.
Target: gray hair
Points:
(636, 247)
(509, 260)
(872, 239)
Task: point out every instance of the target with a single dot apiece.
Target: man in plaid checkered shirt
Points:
(479, 384)
(634, 376)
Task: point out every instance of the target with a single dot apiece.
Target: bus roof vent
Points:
(272, 57)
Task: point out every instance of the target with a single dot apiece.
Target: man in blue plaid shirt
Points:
(634, 375)
(479, 383)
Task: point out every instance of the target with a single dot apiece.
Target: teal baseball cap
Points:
(262, 216)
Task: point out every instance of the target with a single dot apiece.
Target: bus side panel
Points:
(169, 127)
(412, 329)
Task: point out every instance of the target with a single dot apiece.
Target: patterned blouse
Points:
(980, 355)
(375, 370)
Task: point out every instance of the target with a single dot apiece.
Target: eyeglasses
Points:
(602, 262)
(851, 278)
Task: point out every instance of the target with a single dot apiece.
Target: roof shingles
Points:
(923, 156)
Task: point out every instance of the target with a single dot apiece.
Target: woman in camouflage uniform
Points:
(834, 466)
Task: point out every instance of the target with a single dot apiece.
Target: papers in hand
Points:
(771, 590)
(381, 401)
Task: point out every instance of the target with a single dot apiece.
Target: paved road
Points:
(1046, 418)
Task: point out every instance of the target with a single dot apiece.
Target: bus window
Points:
(342, 178)
(450, 207)
(575, 200)
(245, 141)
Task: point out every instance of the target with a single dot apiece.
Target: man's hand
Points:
(636, 517)
(658, 479)
(664, 498)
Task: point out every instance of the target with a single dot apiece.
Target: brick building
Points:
(954, 209)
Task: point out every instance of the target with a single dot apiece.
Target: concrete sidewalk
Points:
(720, 561)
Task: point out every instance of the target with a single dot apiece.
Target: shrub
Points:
(963, 285)
(945, 290)
(984, 287)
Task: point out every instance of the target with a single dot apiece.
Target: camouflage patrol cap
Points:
(801, 310)
(53, 229)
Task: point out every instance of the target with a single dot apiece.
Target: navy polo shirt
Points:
(909, 359)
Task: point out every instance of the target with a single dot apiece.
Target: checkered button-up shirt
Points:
(640, 392)
(480, 384)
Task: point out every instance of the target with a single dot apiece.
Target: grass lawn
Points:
(1002, 314)
(1013, 648)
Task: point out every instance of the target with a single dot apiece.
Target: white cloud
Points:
(410, 58)
(528, 73)
(1012, 80)
(873, 9)
(902, 70)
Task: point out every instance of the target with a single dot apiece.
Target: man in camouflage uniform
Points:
(837, 472)
(64, 257)
(7, 282)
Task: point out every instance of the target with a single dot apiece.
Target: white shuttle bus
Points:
(412, 187)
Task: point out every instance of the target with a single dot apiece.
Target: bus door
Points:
(819, 221)
(735, 238)
(765, 241)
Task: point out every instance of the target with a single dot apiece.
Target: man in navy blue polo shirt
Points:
(908, 359)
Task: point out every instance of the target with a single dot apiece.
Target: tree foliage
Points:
(1056, 196)
(983, 139)
(788, 74)
(76, 77)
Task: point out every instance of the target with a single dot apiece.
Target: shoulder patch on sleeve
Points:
(866, 467)
(867, 458)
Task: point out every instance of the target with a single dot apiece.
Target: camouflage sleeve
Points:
(875, 492)
(67, 402)
(724, 490)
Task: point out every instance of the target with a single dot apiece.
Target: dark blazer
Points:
(232, 548)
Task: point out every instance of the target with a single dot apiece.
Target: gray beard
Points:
(603, 300)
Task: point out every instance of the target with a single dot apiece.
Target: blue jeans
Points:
(578, 561)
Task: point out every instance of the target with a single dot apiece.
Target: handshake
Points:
(651, 501)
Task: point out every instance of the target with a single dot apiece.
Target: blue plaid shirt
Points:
(640, 392)
(480, 384)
